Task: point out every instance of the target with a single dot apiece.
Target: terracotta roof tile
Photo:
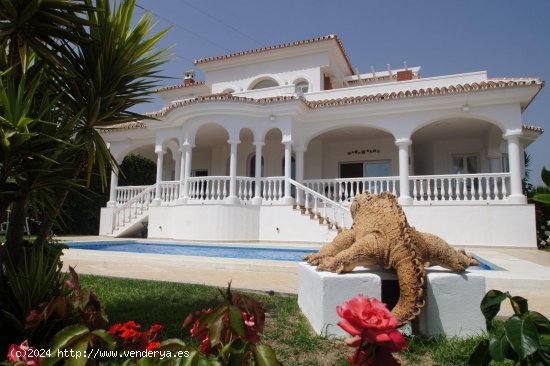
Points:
(276, 47)
(533, 128)
(180, 86)
(121, 126)
(452, 89)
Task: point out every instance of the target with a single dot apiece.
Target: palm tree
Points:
(68, 66)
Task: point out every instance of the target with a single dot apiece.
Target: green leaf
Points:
(172, 344)
(545, 175)
(215, 332)
(105, 337)
(481, 355)
(497, 348)
(519, 304)
(522, 336)
(490, 305)
(542, 198)
(80, 348)
(236, 321)
(541, 322)
(544, 347)
(264, 355)
(238, 351)
(67, 335)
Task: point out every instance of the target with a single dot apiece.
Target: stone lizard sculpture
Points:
(380, 234)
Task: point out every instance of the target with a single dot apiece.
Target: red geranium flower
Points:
(152, 346)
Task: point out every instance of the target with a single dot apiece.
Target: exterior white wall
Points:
(235, 223)
(489, 225)
(337, 152)
(444, 150)
(313, 161)
(284, 71)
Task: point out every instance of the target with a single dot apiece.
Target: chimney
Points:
(404, 75)
(189, 78)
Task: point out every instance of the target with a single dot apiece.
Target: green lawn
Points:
(287, 330)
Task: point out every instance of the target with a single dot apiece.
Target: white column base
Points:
(257, 201)
(156, 202)
(232, 200)
(287, 200)
(405, 201)
(182, 200)
(517, 199)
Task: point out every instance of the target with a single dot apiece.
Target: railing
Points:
(460, 187)
(133, 207)
(318, 206)
(169, 191)
(126, 193)
(273, 188)
(344, 189)
(245, 188)
(208, 188)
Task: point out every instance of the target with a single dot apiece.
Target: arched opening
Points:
(264, 83)
(458, 146)
(210, 148)
(301, 86)
(252, 166)
(361, 157)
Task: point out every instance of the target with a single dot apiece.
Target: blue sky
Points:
(504, 37)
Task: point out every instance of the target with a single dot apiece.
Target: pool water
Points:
(223, 251)
(199, 250)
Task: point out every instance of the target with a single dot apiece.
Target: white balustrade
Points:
(133, 207)
(485, 187)
(208, 188)
(272, 188)
(245, 188)
(126, 193)
(169, 191)
(320, 207)
(344, 189)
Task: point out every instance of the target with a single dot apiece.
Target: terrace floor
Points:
(526, 271)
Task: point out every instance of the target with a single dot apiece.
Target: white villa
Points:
(275, 142)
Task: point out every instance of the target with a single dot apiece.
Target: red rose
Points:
(361, 313)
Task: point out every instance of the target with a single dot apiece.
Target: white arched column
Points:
(233, 199)
(287, 199)
(113, 187)
(177, 164)
(404, 196)
(187, 162)
(257, 200)
(299, 153)
(514, 151)
(181, 176)
(160, 151)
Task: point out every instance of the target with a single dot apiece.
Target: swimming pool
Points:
(220, 251)
(199, 250)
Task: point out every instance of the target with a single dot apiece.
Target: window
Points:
(302, 87)
(266, 83)
(371, 169)
(465, 164)
(199, 173)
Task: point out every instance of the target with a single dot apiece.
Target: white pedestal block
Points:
(452, 300)
(452, 304)
(320, 292)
